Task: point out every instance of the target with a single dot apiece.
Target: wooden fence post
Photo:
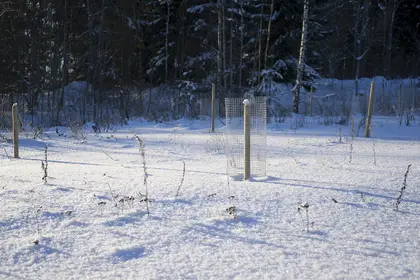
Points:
(15, 124)
(247, 140)
(370, 109)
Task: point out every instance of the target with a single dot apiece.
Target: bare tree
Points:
(168, 13)
(260, 35)
(390, 8)
(241, 52)
(224, 47)
(219, 43)
(267, 46)
(362, 39)
(231, 46)
(302, 57)
(65, 74)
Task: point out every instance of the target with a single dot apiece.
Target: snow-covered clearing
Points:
(354, 232)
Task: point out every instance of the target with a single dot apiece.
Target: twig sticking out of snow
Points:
(182, 180)
(306, 207)
(397, 203)
(108, 155)
(6, 153)
(374, 151)
(142, 150)
(352, 139)
(44, 166)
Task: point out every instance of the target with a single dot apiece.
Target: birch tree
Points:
(302, 57)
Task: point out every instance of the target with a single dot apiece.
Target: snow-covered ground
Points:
(354, 232)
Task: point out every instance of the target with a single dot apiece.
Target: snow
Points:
(192, 236)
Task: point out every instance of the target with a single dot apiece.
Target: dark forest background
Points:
(121, 49)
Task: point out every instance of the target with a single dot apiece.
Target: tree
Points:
(302, 57)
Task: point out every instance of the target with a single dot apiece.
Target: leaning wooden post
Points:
(15, 124)
(213, 100)
(247, 140)
(370, 109)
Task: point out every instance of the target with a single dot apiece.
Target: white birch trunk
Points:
(302, 57)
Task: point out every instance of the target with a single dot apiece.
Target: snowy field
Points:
(354, 232)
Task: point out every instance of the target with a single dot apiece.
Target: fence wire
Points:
(235, 136)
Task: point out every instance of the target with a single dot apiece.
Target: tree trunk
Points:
(101, 58)
(384, 42)
(267, 46)
(168, 10)
(395, 4)
(35, 77)
(65, 74)
(224, 48)
(260, 41)
(219, 43)
(241, 53)
(302, 57)
(231, 47)
(92, 60)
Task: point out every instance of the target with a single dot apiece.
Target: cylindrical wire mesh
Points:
(235, 133)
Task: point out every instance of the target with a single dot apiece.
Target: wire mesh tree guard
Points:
(236, 136)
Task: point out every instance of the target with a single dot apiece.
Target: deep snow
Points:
(192, 236)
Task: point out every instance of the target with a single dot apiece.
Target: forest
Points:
(104, 60)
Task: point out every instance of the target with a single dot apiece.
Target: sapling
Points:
(8, 157)
(44, 166)
(121, 202)
(232, 211)
(128, 200)
(182, 180)
(352, 139)
(142, 147)
(108, 155)
(340, 136)
(407, 118)
(37, 213)
(374, 150)
(397, 203)
(362, 197)
(101, 205)
(306, 207)
(67, 213)
(112, 194)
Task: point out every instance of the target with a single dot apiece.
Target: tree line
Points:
(125, 44)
